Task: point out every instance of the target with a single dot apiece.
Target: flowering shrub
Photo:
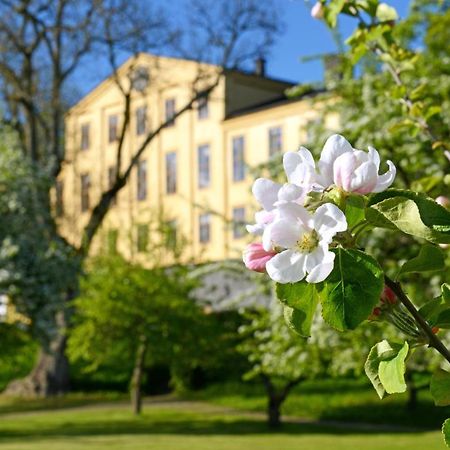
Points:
(310, 230)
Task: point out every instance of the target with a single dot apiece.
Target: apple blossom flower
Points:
(340, 165)
(269, 194)
(317, 11)
(255, 257)
(305, 238)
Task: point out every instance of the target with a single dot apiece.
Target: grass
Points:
(176, 425)
(341, 400)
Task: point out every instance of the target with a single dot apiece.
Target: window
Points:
(238, 222)
(171, 173)
(112, 237)
(275, 140)
(141, 120)
(203, 166)
(59, 198)
(142, 180)
(142, 238)
(204, 228)
(112, 128)
(203, 109)
(112, 173)
(85, 186)
(84, 144)
(170, 111)
(238, 159)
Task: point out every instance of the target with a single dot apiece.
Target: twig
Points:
(433, 340)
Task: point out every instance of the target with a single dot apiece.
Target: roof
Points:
(102, 85)
(281, 101)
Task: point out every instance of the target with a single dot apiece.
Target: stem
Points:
(433, 340)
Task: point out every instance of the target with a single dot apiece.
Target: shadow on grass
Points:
(425, 415)
(164, 423)
(17, 405)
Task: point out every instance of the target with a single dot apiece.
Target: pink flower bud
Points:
(443, 201)
(317, 11)
(376, 312)
(255, 257)
(388, 296)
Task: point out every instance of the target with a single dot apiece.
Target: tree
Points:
(44, 44)
(36, 264)
(146, 314)
(282, 359)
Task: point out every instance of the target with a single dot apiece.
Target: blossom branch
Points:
(433, 340)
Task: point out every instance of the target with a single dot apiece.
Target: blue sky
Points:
(304, 36)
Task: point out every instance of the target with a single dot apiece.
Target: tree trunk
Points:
(273, 410)
(276, 397)
(411, 405)
(136, 380)
(50, 375)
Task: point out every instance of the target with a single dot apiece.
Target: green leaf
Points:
(432, 111)
(410, 212)
(388, 378)
(370, 6)
(332, 11)
(440, 387)
(392, 371)
(352, 289)
(354, 210)
(430, 258)
(446, 432)
(301, 300)
(386, 13)
(419, 92)
(437, 311)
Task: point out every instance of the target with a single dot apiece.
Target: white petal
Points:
(304, 175)
(334, 147)
(329, 220)
(306, 156)
(284, 233)
(374, 156)
(287, 267)
(315, 258)
(266, 192)
(322, 270)
(343, 169)
(295, 213)
(256, 229)
(385, 180)
(364, 178)
(290, 193)
(290, 162)
(267, 238)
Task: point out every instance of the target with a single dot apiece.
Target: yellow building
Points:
(196, 169)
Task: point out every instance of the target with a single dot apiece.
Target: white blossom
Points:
(339, 165)
(304, 239)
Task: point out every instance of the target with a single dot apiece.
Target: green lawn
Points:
(175, 425)
(340, 399)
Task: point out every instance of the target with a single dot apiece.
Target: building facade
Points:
(196, 169)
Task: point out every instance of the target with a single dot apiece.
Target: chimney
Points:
(260, 67)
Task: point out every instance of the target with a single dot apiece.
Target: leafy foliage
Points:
(36, 264)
